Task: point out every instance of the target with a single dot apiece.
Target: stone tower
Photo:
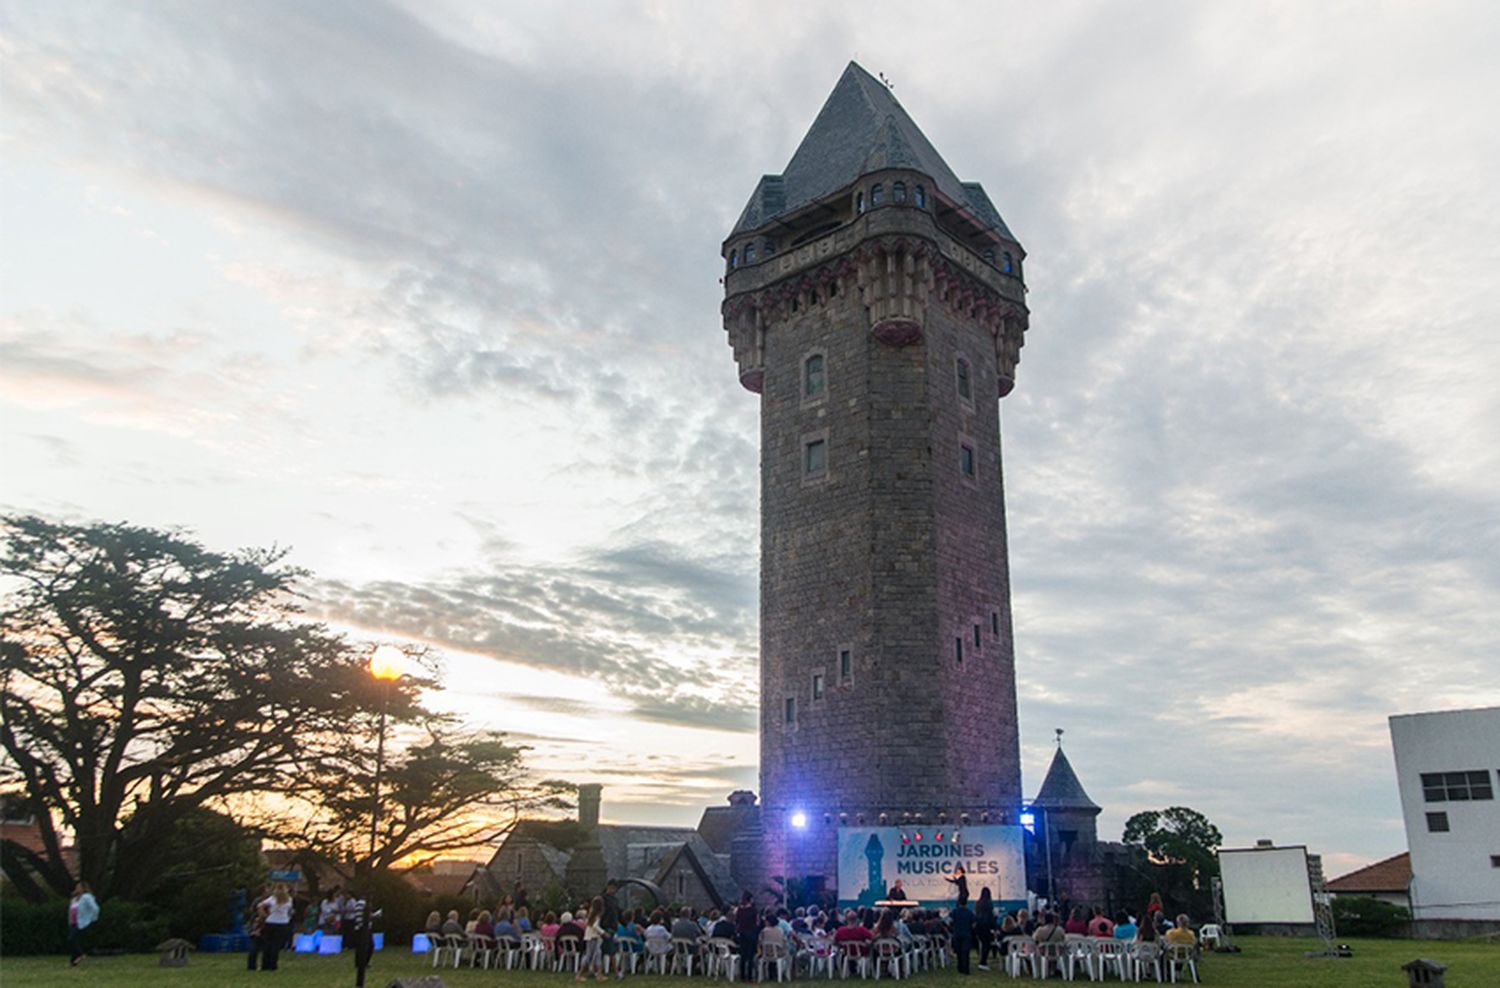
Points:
(875, 302)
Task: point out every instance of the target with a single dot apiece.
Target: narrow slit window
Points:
(791, 710)
(976, 636)
(734, 258)
(920, 198)
(958, 651)
(965, 386)
(898, 192)
(859, 202)
(1010, 265)
(877, 194)
(966, 460)
(817, 686)
(995, 623)
(813, 380)
(846, 665)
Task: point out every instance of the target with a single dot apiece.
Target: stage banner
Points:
(872, 858)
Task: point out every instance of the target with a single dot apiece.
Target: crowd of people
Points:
(602, 930)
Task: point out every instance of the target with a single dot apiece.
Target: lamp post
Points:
(387, 663)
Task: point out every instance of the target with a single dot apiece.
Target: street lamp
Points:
(387, 663)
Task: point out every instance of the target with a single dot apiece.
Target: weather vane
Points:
(1059, 736)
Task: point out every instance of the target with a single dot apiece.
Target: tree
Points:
(445, 790)
(143, 676)
(1177, 835)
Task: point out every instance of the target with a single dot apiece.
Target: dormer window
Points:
(898, 192)
(989, 256)
(734, 258)
(920, 198)
(859, 202)
(1009, 266)
(770, 246)
(877, 194)
(749, 253)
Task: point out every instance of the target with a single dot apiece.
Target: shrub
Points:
(1358, 916)
(42, 927)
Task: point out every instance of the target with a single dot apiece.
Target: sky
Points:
(428, 293)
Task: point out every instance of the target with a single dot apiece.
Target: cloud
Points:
(1251, 456)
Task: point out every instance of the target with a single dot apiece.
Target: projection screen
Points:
(1266, 885)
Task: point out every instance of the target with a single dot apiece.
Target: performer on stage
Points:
(960, 880)
(896, 893)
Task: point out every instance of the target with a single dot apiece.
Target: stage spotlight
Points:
(799, 820)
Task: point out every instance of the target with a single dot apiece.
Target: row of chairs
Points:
(813, 956)
(1099, 957)
(819, 956)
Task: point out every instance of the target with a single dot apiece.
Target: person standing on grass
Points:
(276, 930)
(83, 909)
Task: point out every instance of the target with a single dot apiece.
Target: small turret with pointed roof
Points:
(1067, 806)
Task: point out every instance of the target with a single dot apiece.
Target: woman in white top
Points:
(276, 931)
(593, 942)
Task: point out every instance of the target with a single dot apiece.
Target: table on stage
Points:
(897, 904)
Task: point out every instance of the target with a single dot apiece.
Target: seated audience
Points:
(451, 925)
(1181, 933)
(434, 922)
(683, 927)
(1124, 928)
(1076, 923)
(483, 926)
(1049, 930)
(549, 926)
(1100, 926)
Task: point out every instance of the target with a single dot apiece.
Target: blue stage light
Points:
(799, 820)
(1028, 820)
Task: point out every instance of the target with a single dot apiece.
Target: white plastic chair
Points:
(887, 954)
(855, 954)
(1182, 957)
(1210, 935)
(1141, 955)
(1018, 951)
(774, 955)
(658, 954)
(820, 955)
(684, 954)
(569, 954)
(1108, 953)
(720, 960)
(1049, 957)
(450, 945)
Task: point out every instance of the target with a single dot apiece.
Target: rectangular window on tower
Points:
(817, 687)
(815, 456)
(846, 666)
(995, 624)
(958, 651)
(966, 460)
(976, 638)
(791, 712)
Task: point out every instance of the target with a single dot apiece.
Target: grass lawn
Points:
(1267, 962)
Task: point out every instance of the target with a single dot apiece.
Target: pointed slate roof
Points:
(1061, 790)
(861, 129)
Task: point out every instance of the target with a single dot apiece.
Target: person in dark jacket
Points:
(960, 880)
(962, 921)
(747, 932)
(984, 926)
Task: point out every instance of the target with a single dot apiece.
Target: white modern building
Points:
(1446, 766)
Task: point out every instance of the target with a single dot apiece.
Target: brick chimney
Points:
(588, 804)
